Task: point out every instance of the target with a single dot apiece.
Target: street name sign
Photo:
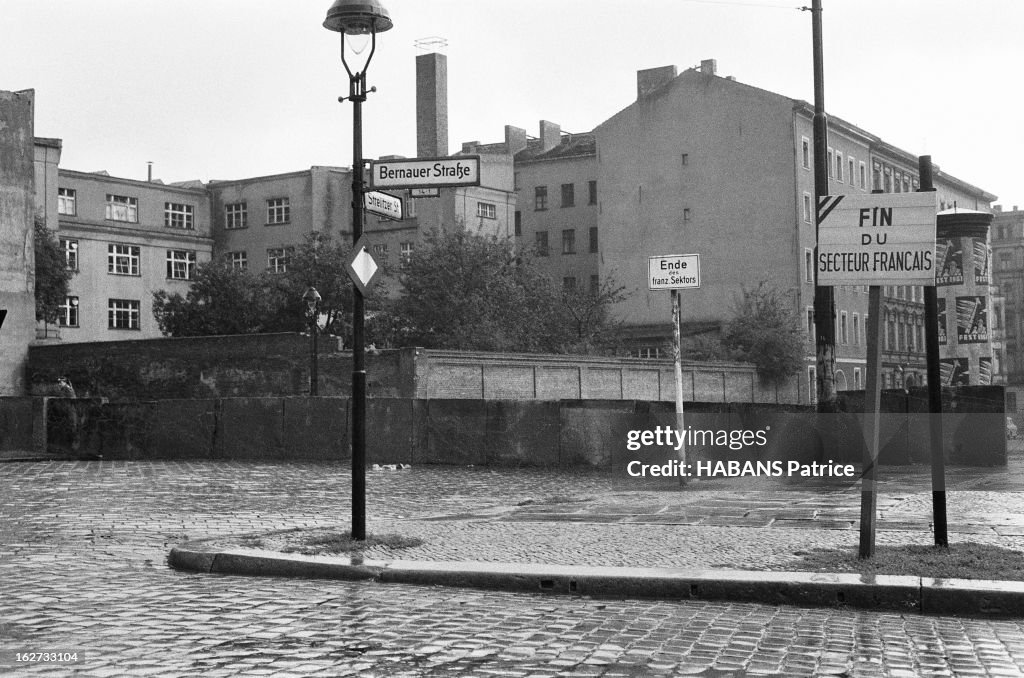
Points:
(360, 266)
(877, 239)
(383, 205)
(460, 170)
(673, 272)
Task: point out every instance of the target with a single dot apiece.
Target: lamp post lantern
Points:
(355, 20)
(312, 299)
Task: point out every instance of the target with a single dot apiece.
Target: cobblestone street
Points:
(82, 568)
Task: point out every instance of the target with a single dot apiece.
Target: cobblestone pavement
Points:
(82, 549)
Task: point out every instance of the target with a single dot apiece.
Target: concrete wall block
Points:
(317, 428)
(739, 387)
(250, 428)
(455, 381)
(123, 430)
(390, 431)
(522, 433)
(640, 384)
(17, 419)
(456, 432)
(593, 433)
(708, 386)
(183, 429)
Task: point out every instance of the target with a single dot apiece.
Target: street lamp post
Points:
(358, 19)
(312, 299)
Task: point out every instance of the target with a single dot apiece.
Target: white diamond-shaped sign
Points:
(360, 266)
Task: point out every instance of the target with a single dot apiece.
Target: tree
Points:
(221, 300)
(764, 332)
(475, 292)
(587, 321)
(51, 274)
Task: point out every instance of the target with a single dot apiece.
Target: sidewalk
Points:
(592, 534)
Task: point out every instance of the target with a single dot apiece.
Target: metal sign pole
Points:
(872, 401)
(677, 354)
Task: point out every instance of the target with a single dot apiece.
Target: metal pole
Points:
(358, 96)
(677, 355)
(872, 396)
(314, 369)
(824, 297)
(931, 342)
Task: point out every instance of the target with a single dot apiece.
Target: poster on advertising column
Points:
(954, 372)
(941, 316)
(971, 320)
(981, 261)
(950, 259)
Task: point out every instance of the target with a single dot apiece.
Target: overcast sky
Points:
(224, 89)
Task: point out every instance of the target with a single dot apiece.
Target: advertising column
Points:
(963, 280)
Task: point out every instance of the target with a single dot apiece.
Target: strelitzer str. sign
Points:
(673, 272)
(462, 170)
(877, 239)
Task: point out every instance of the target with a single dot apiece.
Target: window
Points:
(380, 252)
(515, 181)
(178, 215)
(239, 260)
(592, 192)
(595, 285)
(862, 170)
(236, 215)
(812, 384)
(542, 243)
(68, 313)
(810, 323)
(122, 208)
(805, 152)
(181, 264)
(1011, 401)
(487, 210)
(807, 208)
(856, 328)
(686, 159)
(70, 248)
(66, 201)
(1005, 262)
(278, 211)
(686, 214)
(856, 379)
(839, 166)
(123, 259)
(405, 250)
(852, 167)
(569, 241)
(540, 198)
(569, 283)
(808, 265)
(830, 156)
(519, 223)
(568, 195)
(277, 259)
(593, 240)
(843, 330)
(123, 314)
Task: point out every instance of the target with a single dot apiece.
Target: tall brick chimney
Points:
(651, 79)
(431, 105)
(550, 135)
(515, 139)
(708, 66)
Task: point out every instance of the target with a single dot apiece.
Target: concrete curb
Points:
(877, 592)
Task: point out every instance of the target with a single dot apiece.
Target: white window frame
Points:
(856, 379)
(122, 208)
(67, 201)
(70, 247)
(277, 259)
(805, 152)
(486, 210)
(124, 259)
(851, 165)
(862, 171)
(123, 314)
(809, 265)
(181, 264)
(179, 215)
(844, 329)
(278, 211)
(812, 383)
(839, 167)
(68, 312)
(831, 157)
(856, 329)
(405, 250)
(808, 209)
(239, 260)
(236, 215)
